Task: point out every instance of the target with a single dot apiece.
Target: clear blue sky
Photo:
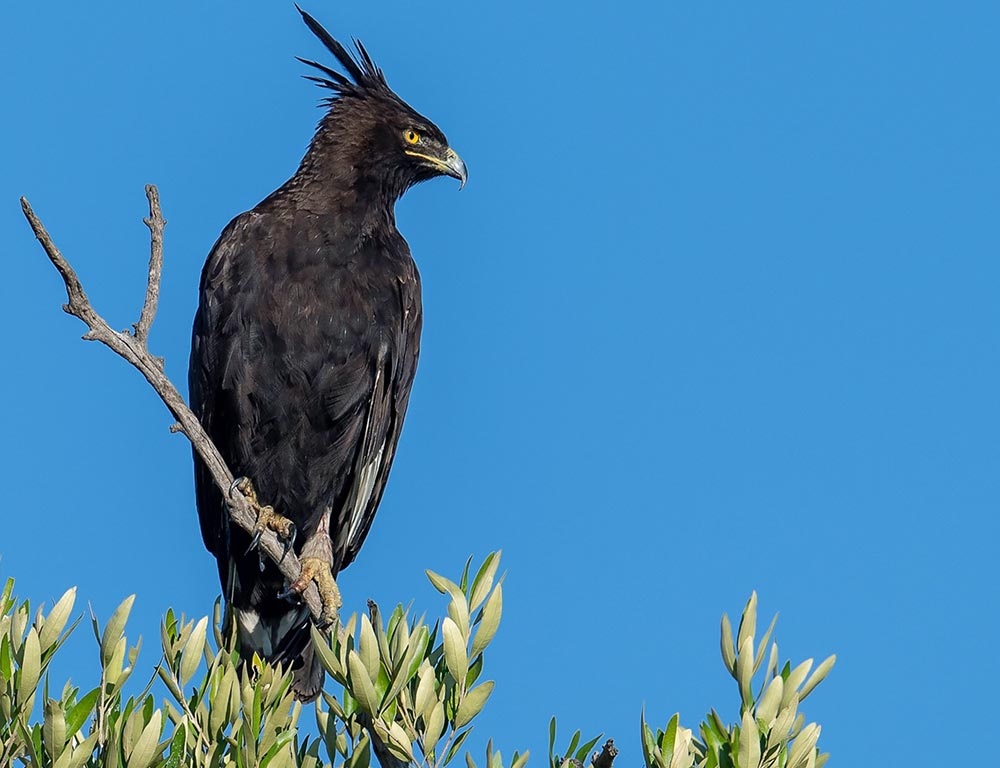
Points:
(717, 311)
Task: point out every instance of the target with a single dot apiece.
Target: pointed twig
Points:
(134, 349)
(156, 223)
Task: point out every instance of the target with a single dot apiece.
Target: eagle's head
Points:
(369, 133)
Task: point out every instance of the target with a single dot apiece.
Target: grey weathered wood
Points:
(134, 348)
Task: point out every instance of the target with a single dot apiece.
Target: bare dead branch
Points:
(606, 756)
(133, 347)
(156, 223)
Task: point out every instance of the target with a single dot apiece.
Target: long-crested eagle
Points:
(304, 348)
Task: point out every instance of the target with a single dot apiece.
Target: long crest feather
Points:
(363, 71)
(339, 81)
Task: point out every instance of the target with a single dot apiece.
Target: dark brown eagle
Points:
(304, 348)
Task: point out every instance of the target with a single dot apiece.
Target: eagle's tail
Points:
(309, 676)
(285, 639)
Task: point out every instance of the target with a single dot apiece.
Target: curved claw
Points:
(288, 592)
(235, 485)
(255, 541)
(290, 541)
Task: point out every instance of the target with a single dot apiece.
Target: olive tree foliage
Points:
(412, 688)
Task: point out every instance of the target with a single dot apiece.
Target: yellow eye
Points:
(411, 136)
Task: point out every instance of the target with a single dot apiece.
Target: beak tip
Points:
(456, 167)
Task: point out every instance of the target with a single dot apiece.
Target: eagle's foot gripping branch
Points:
(317, 570)
(267, 518)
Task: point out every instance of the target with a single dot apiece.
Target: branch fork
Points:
(133, 347)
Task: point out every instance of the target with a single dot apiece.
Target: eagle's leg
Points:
(317, 570)
(316, 558)
(267, 518)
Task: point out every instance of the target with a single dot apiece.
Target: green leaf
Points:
(79, 712)
(818, 676)
(489, 621)
(772, 662)
(552, 741)
(681, 757)
(416, 652)
(465, 575)
(177, 748)
(473, 703)
(794, 679)
(520, 760)
(719, 726)
(361, 757)
(220, 641)
(744, 671)
(455, 655)
(54, 728)
(220, 713)
(117, 661)
(434, 727)
(763, 644)
(458, 611)
(55, 622)
(572, 744)
(443, 585)
(169, 682)
(483, 582)
(145, 748)
(31, 741)
(361, 687)
(748, 624)
(19, 620)
(805, 744)
(83, 752)
(399, 742)
(426, 694)
(193, 650)
(726, 643)
(329, 660)
(276, 756)
(368, 649)
(645, 739)
(114, 628)
(749, 756)
(475, 669)
(797, 725)
(456, 745)
(5, 599)
(786, 716)
(767, 707)
(669, 738)
(583, 753)
(6, 660)
(31, 661)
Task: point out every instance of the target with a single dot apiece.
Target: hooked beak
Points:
(456, 167)
(451, 165)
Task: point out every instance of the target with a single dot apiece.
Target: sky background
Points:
(717, 311)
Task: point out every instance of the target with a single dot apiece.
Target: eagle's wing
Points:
(377, 420)
(210, 348)
(312, 416)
